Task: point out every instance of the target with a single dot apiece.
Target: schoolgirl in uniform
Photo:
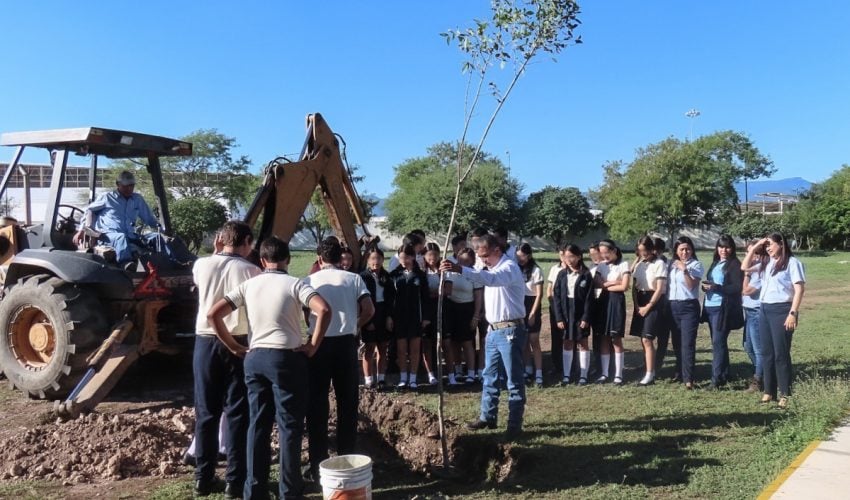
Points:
(533, 303)
(783, 285)
(722, 305)
(464, 309)
(374, 334)
(752, 308)
(573, 298)
(686, 271)
(600, 304)
(650, 275)
(663, 335)
(556, 335)
(429, 334)
(408, 317)
(614, 273)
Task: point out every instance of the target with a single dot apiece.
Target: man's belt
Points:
(501, 325)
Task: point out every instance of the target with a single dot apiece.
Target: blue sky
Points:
(383, 78)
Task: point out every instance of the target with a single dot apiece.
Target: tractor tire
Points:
(48, 328)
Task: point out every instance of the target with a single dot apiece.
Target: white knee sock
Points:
(568, 362)
(619, 361)
(402, 377)
(584, 362)
(605, 359)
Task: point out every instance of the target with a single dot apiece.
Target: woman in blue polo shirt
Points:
(782, 288)
(722, 308)
(683, 296)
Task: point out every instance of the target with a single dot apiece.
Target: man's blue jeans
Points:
(752, 339)
(503, 354)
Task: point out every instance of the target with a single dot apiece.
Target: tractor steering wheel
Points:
(69, 218)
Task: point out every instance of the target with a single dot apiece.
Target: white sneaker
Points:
(412, 385)
(432, 380)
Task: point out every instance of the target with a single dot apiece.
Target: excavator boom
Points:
(288, 187)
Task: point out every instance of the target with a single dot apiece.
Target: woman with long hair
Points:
(783, 285)
(429, 335)
(573, 304)
(722, 306)
(374, 334)
(408, 318)
(752, 308)
(686, 271)
(556, 335)
(463, 309)
(533, 301)
(650, 276)
(613, 274)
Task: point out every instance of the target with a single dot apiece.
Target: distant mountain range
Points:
(790, 186)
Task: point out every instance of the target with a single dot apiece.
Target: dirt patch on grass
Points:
(99, 446)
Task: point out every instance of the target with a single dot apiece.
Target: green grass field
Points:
(660, 441)
(664, 441)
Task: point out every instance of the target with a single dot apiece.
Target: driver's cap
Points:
(126, 178)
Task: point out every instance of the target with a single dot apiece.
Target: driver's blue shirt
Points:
(116, 214)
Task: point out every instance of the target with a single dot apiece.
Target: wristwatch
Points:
(793, 313)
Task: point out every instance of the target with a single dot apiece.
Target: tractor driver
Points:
(114, 214)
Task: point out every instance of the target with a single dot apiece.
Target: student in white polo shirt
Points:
(219, 375)
(275, 364)
(336, 359)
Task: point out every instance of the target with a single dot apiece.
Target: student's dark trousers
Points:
(219, 387)
(719, 347)
(556, 336)
(667, 335)
(775, 348)
(685, 324)
(277, 391)
(335, 362)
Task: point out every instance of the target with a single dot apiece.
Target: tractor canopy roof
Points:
(99, 141)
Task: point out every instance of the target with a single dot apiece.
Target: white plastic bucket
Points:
(346, 477)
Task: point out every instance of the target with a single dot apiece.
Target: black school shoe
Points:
(206, 488)
(233, 490)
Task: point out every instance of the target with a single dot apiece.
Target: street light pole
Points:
(692, 113)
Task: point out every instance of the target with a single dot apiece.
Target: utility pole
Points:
(692, 114)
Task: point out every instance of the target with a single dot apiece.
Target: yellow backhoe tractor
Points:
(71, 319)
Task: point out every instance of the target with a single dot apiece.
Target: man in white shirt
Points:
(504, 295)
(336, 360)
(217, 372)
(275, 365)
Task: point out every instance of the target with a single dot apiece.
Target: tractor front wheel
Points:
(48, 328)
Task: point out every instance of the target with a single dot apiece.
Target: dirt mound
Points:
(100, 446)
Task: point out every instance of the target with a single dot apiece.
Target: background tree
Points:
(211, 172)
(194, 217)
(675, 183)
(555, 213)
(424, 189)
(825, 210)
